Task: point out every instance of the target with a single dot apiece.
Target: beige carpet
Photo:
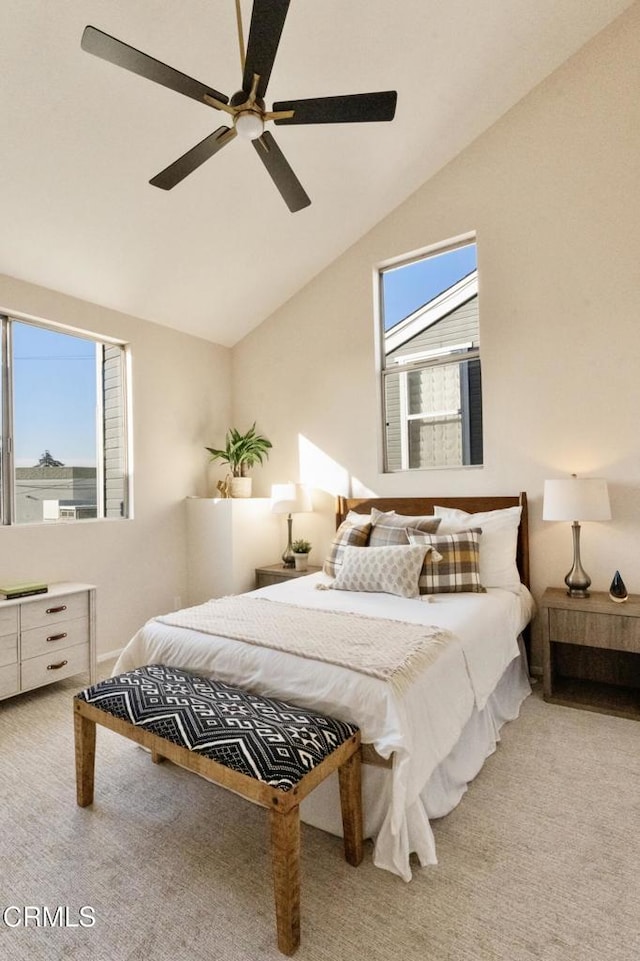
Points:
(541, 860)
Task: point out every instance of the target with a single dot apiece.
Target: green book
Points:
(11, 591)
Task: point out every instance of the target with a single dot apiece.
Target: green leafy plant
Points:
(242, 451)
(301, 546)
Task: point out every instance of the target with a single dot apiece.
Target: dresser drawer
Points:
(8, 619)
(54, 666)
(8, 649)
(9, 680)
(48, 639)
(613, 631)
(51, 609)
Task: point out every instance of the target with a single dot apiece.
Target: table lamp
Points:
(290, 499)
(576, 499)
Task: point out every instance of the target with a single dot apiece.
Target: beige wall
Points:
(552, 192)
(181, 402)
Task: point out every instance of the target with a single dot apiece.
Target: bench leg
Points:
(350, 775)
(85, 741)
(156, 757)
(285, 856)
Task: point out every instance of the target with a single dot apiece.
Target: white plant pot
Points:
(301, 561)
(241, 487)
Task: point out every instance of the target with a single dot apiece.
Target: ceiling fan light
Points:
(249, 125)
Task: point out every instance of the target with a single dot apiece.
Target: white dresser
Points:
(47, 637)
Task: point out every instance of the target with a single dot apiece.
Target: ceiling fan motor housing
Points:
(241, 97)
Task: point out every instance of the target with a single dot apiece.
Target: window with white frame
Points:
(64, 425)
(430, 360)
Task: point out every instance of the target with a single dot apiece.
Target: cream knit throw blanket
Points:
(394, 651)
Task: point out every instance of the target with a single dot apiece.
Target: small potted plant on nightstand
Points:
(301, 550)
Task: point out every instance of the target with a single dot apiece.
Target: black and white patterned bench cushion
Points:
(266, 739)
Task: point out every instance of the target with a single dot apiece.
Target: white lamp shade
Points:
(290, 499)
(576, 499)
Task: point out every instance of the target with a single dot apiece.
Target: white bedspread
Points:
(393, 651)
(421, 725)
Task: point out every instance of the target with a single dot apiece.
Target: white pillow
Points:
(390, 570)
(354, 517)
(498, 543)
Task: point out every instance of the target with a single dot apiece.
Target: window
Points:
(430, 360)
(64, 425)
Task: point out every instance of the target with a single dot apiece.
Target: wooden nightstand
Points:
(275, 573)
(591, 652)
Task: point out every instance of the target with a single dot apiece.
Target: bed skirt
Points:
(448, 782)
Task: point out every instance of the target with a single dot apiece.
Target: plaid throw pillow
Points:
(347, 535)
(459, 568)
(390, 529)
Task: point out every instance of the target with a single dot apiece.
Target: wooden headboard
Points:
(425, 505)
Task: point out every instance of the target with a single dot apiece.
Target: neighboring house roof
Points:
(54, 473)
(431, 312)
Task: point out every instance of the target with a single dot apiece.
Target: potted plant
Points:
(301, 549)
(241, 452)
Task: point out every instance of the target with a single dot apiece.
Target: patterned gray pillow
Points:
(390, 570)
(389, 528)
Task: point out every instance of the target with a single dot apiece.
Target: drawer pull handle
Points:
(56, 610)
(56, 637)
(56, 667)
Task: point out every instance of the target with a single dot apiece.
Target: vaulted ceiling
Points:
(81, 138)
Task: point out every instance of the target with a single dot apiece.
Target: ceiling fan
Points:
(246, 107)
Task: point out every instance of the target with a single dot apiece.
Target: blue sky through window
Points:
(54, 397)
(409, 286)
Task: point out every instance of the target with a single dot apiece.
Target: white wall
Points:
(552, 192)
(181, 402)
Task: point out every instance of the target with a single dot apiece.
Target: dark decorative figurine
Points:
(617, 591)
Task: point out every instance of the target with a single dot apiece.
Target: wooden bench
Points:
(269, 752)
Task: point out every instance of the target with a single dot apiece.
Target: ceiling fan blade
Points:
(351, 108)
(115, 51)
(292, 191)
(192, 159)
(267, 22)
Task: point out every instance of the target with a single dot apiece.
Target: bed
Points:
(424, 740)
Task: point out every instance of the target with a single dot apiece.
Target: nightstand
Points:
(591, 652)
(275, 573)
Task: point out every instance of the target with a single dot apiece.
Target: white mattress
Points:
(420, 727)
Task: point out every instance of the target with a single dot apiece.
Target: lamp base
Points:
(577, 580)
(577, 592)
(288, 557)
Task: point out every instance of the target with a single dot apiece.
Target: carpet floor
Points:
(541, 859)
